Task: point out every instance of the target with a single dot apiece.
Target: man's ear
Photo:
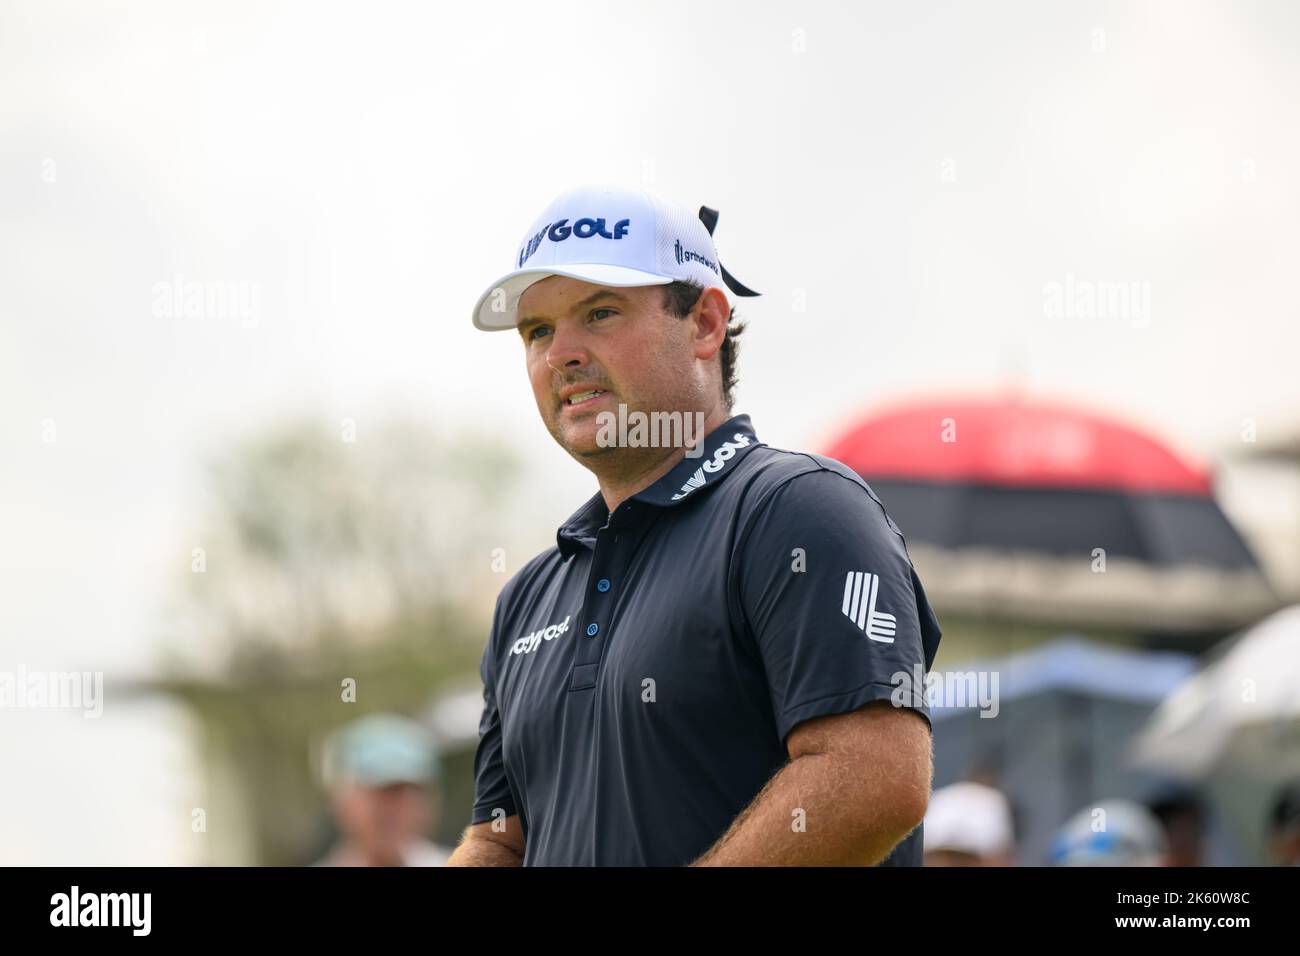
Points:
(709, 318)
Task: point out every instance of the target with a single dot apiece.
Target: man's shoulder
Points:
(806, 478)
(537, 566)
(774, 466)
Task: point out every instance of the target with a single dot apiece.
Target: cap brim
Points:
(497, 308)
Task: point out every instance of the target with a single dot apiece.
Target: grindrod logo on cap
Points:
(683, 255)
(582, 229)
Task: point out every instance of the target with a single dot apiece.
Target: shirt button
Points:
(592, 629)
(602, 584)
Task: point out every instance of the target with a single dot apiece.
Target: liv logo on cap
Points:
(609, 236)
(583, 229)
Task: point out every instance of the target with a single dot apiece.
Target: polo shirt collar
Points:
(690, 478)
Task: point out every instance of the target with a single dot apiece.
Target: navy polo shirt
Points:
(642, 676)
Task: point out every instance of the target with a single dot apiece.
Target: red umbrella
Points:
(1039, 511)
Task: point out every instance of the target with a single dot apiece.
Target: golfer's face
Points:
(383, 819)
(589, 348)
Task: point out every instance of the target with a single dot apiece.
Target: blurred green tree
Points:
(322, 560)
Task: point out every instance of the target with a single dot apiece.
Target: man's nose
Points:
(566, 350)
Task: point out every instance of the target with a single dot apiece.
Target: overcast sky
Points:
(906, 183)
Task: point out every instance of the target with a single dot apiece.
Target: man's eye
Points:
(596, 312)
(532, 333)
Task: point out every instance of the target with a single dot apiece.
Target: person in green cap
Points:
(382, 772)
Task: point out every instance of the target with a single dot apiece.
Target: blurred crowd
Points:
(974, 824)
(383, 775)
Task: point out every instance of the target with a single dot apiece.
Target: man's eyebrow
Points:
(577, 306)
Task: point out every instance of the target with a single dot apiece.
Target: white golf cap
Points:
(608, 235)
(969, 817)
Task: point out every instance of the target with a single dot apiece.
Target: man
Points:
(707, 668)
(1182, 815)
(382, 772)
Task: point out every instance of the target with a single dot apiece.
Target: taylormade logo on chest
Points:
(530, 642)
(724, 453)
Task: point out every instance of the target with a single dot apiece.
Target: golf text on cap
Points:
(582, 229)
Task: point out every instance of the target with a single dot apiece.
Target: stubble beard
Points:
(612, 462)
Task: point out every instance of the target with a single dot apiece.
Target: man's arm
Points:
(482, 846)
(862, 781)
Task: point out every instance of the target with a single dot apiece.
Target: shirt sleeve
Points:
(832, 601)
(491, 787)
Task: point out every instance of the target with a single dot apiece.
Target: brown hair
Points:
(679, 298)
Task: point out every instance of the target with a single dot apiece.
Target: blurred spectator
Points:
(382, 771)
(1112, 833)
(968, 824)
(1182, 816)
(1284, 826)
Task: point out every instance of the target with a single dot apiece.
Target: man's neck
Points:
(617, 489)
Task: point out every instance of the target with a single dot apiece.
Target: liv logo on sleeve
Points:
(861, 589)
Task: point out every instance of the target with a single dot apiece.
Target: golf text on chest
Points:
(102, 909)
